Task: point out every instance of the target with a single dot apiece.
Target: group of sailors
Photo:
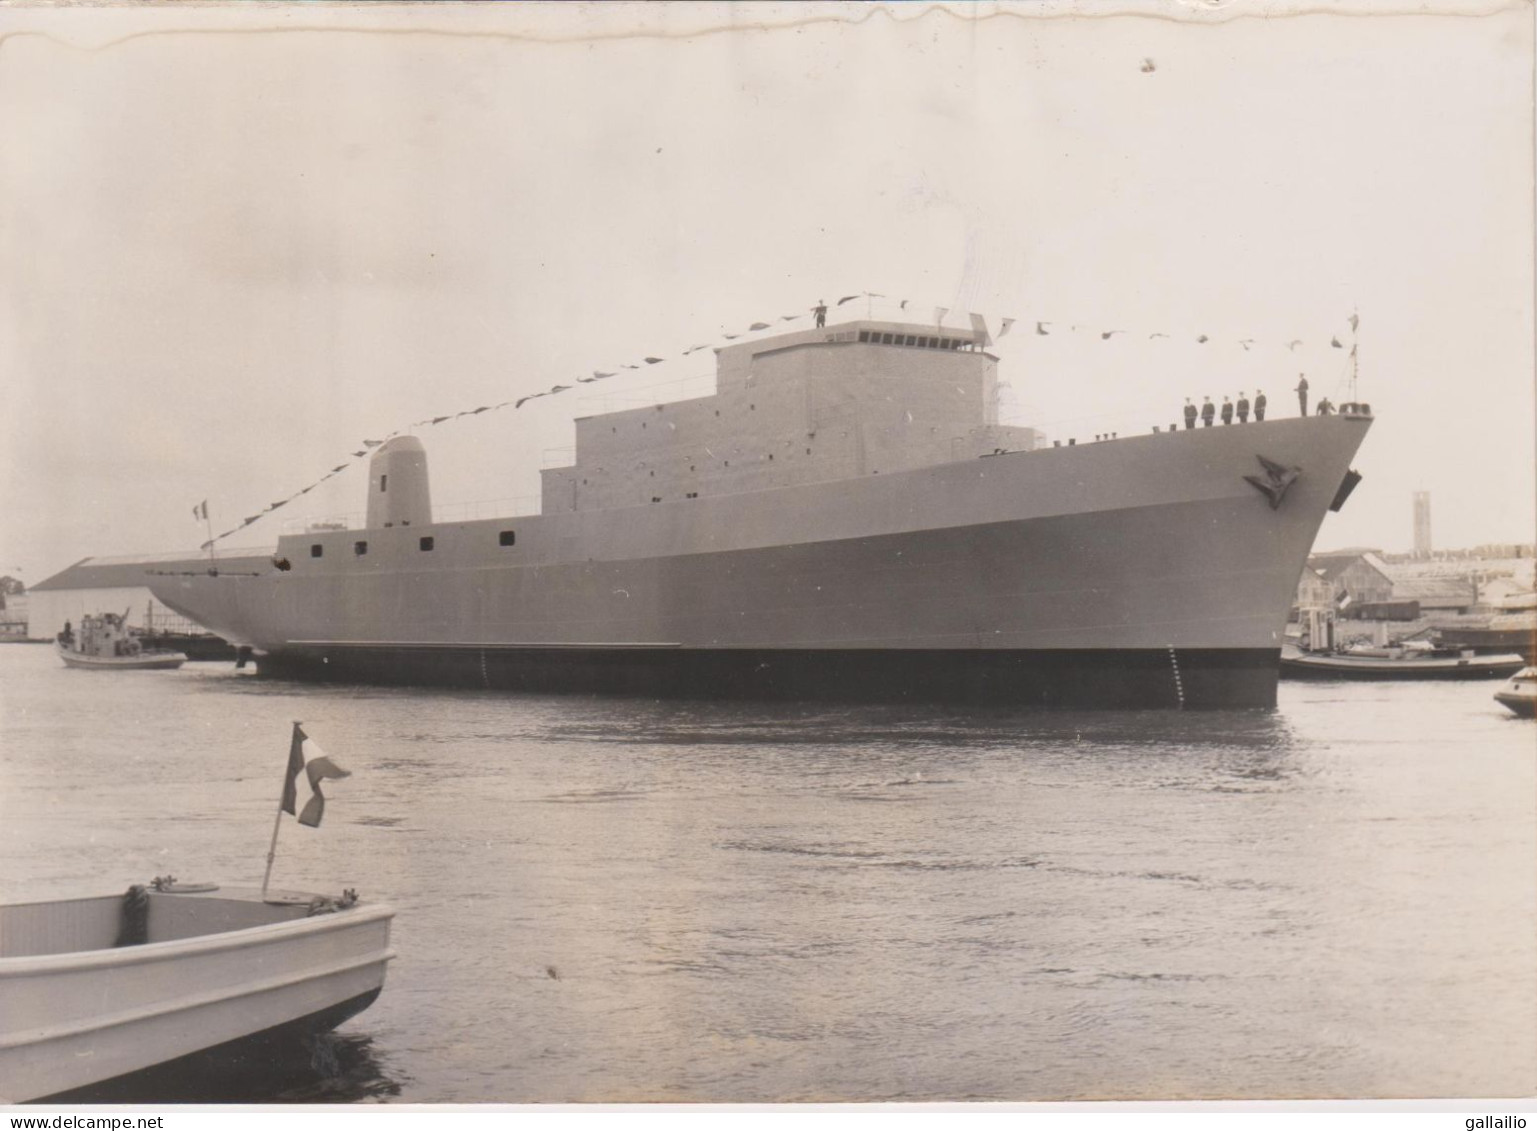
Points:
(1207, 413)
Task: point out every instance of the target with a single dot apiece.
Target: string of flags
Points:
(979, 324)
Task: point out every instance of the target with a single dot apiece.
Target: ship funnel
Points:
(398, 494)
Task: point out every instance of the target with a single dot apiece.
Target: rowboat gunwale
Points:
(25, 965)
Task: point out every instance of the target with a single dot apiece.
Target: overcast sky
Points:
(227, 257)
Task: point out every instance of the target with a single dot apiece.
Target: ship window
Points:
(360, 548)
(384, 481)
(924, 342)
(316, 550)
(507, 538)
(912, 339)
(424, 542)
(864, 335)
(885, 339)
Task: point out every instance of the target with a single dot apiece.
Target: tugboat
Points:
(1520, 693)
(105, 642)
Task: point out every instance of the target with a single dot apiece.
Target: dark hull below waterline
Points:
(197, 1077)
(1086, 678)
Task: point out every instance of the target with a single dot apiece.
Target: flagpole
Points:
(277, 825)
(208, 525)
(272, 849)
(1355, 344)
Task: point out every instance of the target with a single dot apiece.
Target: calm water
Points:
(627, 900)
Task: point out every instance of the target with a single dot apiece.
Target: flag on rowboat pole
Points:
(305, 755)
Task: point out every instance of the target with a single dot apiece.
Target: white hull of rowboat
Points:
(219, 967)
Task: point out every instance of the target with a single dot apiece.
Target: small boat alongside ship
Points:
(1401, 661)
(105, 643)
(1520, 693)
(93, 989)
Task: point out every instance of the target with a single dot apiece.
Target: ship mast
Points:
(1355, 364)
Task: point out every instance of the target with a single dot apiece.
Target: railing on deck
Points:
(177, 556)
(516, 506)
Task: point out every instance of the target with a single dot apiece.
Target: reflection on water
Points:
(330, 1068)
(606, 899)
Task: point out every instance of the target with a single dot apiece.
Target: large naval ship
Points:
(844, 518)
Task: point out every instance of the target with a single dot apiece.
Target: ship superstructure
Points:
(843, 518)
(806, 407)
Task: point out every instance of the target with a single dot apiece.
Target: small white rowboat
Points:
(82, 1002)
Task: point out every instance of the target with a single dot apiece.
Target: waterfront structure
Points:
(843, 518)
(1422, 547)
(1437, 594)
(1314, 591)
(15, 615)
(1358, 575)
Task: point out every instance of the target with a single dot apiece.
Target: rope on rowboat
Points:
(324, 905)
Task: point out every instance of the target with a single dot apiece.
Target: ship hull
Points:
(1053, 678)
(1142, 572)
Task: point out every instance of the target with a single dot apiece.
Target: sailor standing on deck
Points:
(820, 310)
(1259, 404)
(1243, 407)
(1302, 393)
(1208, 412)
(1190, 413)
(1227, 410)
